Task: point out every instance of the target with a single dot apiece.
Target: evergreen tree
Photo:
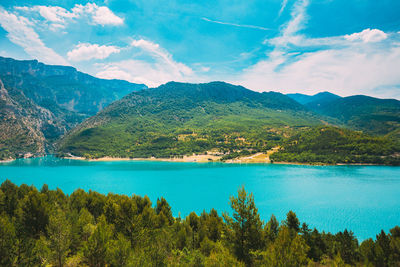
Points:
(292, 222)
(286, 251)
(246, 226)
(59, 232)
(97, 249)
(8, 241)
(271, 229)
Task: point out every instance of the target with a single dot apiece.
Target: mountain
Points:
(359, 112)
(333, 145)
(61, 87)
(39, 103)
(320, 98)
(178, 119)
(369, 114)
(21, 122)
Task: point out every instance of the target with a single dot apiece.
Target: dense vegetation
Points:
(49, 228)
(177, 119)
(39, 103)
(369, 114)
(335, 145)
(317, 99)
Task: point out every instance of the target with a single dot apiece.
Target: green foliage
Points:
(292, 222)
(332, 145)
(246, 226)
(178, 119)
(59, 237)
(8, 240)
(369, 114)
(286, 251)
(91, 229)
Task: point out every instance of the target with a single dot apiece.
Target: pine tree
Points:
(246, 226)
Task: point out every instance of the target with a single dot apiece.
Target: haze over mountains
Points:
(39, 104)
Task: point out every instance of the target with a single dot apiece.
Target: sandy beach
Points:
(193, 158)
(6, 160)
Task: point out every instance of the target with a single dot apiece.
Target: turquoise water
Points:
(364, 199)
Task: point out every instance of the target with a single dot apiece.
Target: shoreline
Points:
(6, 160)
(258, 158)
(204, 159)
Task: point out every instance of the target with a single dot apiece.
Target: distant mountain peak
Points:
(321, 97)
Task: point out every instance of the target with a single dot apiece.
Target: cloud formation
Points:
(237, 25)
(87, 51)
(21, 32)
(365, 62)
(283, 6)
(100, 14)
(160, 69)
(55, 15)
(367, 36)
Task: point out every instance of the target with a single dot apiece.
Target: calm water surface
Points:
(364, 199)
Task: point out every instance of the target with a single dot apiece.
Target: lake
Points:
(364, 199)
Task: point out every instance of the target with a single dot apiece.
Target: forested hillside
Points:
(335, 145)
(40, 103)
(369, 114)
(177, 119)
(49, 228)
(317, 99)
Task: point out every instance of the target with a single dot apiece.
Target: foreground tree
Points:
(286, 251)
(59, 231)
(97, 249)
(246, 226)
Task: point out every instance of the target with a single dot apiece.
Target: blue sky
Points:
(307, 46)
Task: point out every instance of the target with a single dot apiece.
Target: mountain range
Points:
(39, 103)
(58, 109)
(359, 112)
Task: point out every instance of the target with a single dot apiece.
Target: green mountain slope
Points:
(369, 114)
(39, 103)
(320, 98)
(334, 145)
(178, 119)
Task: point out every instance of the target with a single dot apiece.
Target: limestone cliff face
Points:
(39, 103)
(21, 124)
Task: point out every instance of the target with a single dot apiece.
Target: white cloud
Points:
(21, 33)
(54, 13)
(114, 72)
(346, 71)
(236, 24)
(283, 6)
(346, 65)
(160, 69)
(367, 36)
(100, 14)
(162, 57)
(105, 16)
(87, 51)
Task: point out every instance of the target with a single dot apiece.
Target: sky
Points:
(347, 47)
